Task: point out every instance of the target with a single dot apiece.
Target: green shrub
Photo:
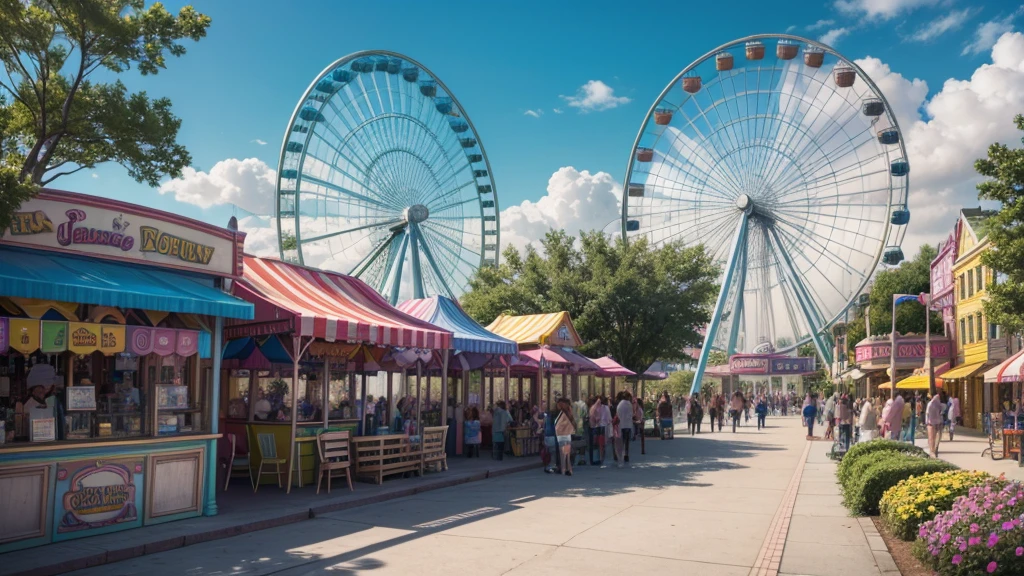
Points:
(882, 471)
(905, 506)
(861, 449)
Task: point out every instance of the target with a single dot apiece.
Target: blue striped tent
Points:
(469, 336)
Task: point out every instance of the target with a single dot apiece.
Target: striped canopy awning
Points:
(560, 359)
(1009, 370)
(555, 329)
(468, 335)
(326, 305)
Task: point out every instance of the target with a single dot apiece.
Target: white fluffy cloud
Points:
(595, 96)
(575, 201)
(832, 36)
(959, 123)
(820, 25)
(883, 9)
(940, 26)
(988, 32)
(249, 184)
(534, 113)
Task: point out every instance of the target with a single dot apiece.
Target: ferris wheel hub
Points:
(416, 213)
(744, 204)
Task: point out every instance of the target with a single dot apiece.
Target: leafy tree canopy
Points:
(1005, 169)
(633, 301)
(57, 119)
(910, 277)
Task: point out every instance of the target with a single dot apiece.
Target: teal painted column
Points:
(211, 447)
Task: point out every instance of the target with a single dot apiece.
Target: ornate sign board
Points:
(770, 364)
(104, 228)
(97, 496)
(913, 350)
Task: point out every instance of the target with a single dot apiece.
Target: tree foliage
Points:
(58, 120)
(1005, 169)
(677, 384)
(632, 301)
(910, 277)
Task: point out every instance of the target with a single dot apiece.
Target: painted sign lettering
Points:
(153, 240)
(68, 234)
(27, 223)
(98, 494)
(82, 338)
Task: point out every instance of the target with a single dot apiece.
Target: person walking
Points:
(868, 421)
(713, 411)
(554, 461)
(502, 420)
(830, 416)
(665, 416)
(624, 416)
(895, 421)
(844, 415)
(695, 416)
(565, 427)
(472, 433)
(762, 411)
(953, 413)
(736, 409)
(809, 413)
(933, 421)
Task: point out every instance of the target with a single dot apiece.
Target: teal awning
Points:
(36, 274)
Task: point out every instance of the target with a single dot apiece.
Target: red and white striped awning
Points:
(328, 305)
(1010, 370)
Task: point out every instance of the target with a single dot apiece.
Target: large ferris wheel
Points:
(383, 176)
(785, 161)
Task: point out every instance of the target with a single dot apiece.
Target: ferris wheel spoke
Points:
(435, 224)
(444, 245)
(433, 265)
(722, 157)
(790, 120)
(824, 252)
(374, 225)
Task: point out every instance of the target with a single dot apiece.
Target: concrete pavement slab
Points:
(563, 561)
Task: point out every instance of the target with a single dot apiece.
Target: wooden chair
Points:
(267, 445)
(236, 463)
(434, 456)
(335, 454)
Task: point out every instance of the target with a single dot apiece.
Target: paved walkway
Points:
(965, 451)
(718, 504)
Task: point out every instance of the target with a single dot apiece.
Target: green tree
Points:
(1005, 169)
(717, 358)
(632, 301)
(910, 277)
(59, 120)
(678, 383)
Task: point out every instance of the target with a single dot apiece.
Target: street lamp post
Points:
(924, 300)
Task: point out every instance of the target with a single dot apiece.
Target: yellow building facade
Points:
(979, 345)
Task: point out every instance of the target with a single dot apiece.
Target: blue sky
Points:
(240, 84)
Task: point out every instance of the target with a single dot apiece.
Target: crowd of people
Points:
(898, 418)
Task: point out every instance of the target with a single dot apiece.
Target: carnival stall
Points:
(473, 347)
(109, 366)
(319, 335)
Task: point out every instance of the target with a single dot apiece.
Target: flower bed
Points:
(875, 473)
(862, 449)
(981, 534)
(919, 498)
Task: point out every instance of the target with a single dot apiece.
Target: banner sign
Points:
(68, 222)
(162, 341)
(85, 338)
(24, 335)
(97, 496)
(112, 339)
(878, 352)
(54, 337)
(770, 364)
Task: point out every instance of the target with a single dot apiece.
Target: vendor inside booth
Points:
(109, 323)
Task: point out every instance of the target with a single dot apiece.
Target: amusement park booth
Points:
(473, 348)
(547, 344)
(110, 323)
(304, 361)
(872, 356)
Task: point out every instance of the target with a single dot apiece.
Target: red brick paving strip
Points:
(770, 556)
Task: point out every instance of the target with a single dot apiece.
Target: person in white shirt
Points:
(868, 421)
(953, 414)
(624, 413)
(933, 420)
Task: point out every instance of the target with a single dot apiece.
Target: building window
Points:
(970, 329)
(970, 282)
(963, 331)
(993, 331)
(980, 274)
(963, 288)
(981, 332)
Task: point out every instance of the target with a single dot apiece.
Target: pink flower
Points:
(991, 567)
(1020, 550)
(993, 539)
(996, 517)
(974, 528)
(957, 559)
(974, 540)
(962, 547)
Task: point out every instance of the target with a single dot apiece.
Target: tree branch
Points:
(46, 181)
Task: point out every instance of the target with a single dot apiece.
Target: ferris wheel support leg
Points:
(737, 309)
(417, 273)
(433, 265)
(804, 300)
(396, 283)
(738, 244)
